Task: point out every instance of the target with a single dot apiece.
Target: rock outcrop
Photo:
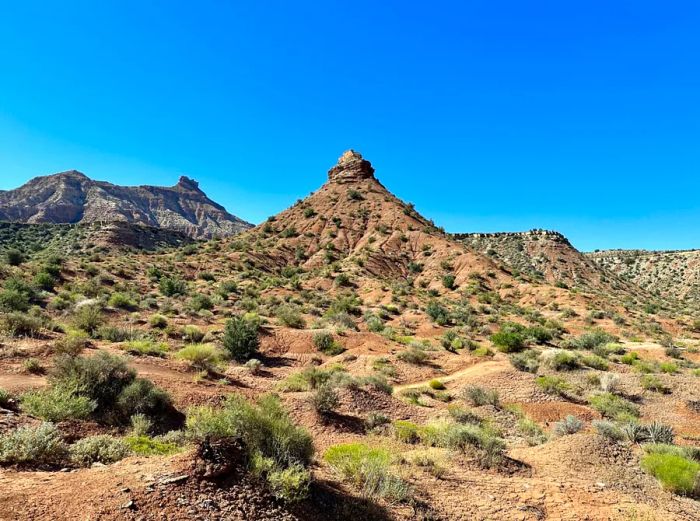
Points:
(351, 167)
(72, 197)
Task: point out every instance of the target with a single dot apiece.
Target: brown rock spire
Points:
(351, 167)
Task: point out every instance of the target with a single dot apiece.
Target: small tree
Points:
(14, 257)
(241, 338)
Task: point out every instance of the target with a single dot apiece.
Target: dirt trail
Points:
(481, 369)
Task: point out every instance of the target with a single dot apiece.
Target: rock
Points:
(351, 167)
(129, 505)
(176, 479)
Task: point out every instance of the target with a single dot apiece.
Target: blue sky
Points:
(580, 116)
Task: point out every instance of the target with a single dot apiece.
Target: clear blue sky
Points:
(581, 116)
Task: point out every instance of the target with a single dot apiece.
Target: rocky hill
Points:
(670, 274)
(72, 197)
(548, 256)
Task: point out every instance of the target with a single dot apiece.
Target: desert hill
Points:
(670, 274)
(345, 359)
(72, 197)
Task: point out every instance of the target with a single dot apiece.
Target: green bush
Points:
(413, 355)
(172, 286)
(13, 300)
(290, 316)
(88, 317)
(202, 357)
(158, 322)
(653, 383)
(44, 281)
(525, 361)
(559, 360)
(19, 324)
(72, 343)
(368, 468)
(14, 257)
(146, 347)
(121, 301)
(325, 400)
(406, 431)
(437, 312)
(595, 362)
(508, 341)
(325, 343)
(57, 404)
(98, 449)
(290, 484)
(448, 281)
(479, 396)
(5, 398)
(199, 302)
(192, 334)
(240, 338)
(592, 339)
(143, 397)
(676, 473)
(553, 385)
(146, 446)
(614, 407)
(40, 445)
(569, 425)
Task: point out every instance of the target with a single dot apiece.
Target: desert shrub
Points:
(325, 343)
(668, 367)
(569, 425)
(290, 484)
(20, 324)
(146, 347)
(462, 415)
(101, 448)
(253, 365)
(633, 432)
(508, 341)
(264, 426)
(290, 316)
(100, 378)
(527, 361)
(436, 385)
(143, 397)
(71, 344)
(406, 431)
(676, 473)
(374, 323)
(368, 468)
(592, 339)
(240, 338)
(147, 446)
(57, 404)
(324, 399)
(657, 432)
(553, 385)
(39, 445)
(172, 286)
(202, 357)
(44, 281)
(613, 406)
(309, 378)
(158, 322)
(200, 302)
(5, 398)
(437, 312)
(629, 358)
(559, 360)
(448, 281)
(595, 362)
(608, 429)
(192, 334)
(13, 300)
(479, 396)
(33, 366)
(88, 317)
(121, 301)
(413, 355)
(375, 420)
(14, 257)
(533, 433)
(609, 383)
(141, 425)
(653, 383)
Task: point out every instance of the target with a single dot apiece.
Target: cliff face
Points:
(72, 197)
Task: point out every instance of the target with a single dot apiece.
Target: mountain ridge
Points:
(71, 197)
